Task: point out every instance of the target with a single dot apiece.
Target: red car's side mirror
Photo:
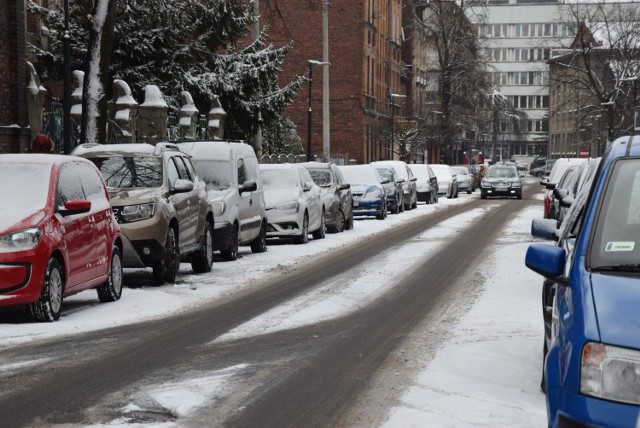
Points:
(75, 206)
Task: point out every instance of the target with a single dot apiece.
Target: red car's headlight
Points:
(20, 240)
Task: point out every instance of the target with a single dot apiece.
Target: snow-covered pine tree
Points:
(200, 46)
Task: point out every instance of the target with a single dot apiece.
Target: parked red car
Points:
(58, 234)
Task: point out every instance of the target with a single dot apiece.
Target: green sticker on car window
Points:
(620, 246)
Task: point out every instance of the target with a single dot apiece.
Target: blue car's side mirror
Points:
(547, 260)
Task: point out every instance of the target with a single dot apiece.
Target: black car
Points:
(538, 167)
(501, 180)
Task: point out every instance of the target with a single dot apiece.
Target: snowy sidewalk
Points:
(488, 373)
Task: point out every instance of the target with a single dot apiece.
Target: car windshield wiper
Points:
(619, 268)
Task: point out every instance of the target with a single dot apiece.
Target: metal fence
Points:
(291, 158)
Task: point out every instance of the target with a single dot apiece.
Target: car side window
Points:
(409, 173)
(251, 168)
(172, 173)
(242, 173)
(190, 168)
(91, 182)
(182, 168)
(337, 176)
(305, 176)
(69, 185)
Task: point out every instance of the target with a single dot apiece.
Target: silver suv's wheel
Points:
(166, 269)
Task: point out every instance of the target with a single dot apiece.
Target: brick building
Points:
(14, 121)
(365, 49)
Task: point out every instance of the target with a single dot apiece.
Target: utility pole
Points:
(309, 111)
(66, 104)
(387, 69)
(326, 140)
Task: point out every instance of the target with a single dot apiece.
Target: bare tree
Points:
(459, 69)
(94, 100)
(601, 67)
(503, 122)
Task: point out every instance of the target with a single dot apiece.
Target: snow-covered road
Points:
(487, 373)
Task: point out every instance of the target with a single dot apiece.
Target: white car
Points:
(294, 203)
(463, 177)
(426, 183)
(234, 189)
(447, 180)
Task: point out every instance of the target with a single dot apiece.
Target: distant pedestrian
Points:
(42, 144)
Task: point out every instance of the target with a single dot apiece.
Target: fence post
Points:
(153, 116)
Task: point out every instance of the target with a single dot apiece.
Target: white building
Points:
(517, 36)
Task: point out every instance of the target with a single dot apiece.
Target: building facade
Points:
(594, 81)
(365, 51)
(517, 38)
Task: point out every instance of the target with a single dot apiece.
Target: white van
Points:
(560, 166)
(234, 189)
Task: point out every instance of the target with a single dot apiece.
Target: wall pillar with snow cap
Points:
(36, 94)
(123, 109)
(215, 120)
(152, 117)
(77, 80)
(188, 116)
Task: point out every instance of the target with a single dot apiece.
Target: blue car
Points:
(369, 197)
(591, 371)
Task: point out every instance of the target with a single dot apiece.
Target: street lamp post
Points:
(393, 123)
(309, 111)
(66, 120)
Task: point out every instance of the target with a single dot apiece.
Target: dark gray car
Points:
(392, 185)
(336, 195)
(501, 180)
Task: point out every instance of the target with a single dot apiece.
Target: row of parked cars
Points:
(591, 288)
(70, 223)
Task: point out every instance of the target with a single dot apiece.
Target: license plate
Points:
(356, 203)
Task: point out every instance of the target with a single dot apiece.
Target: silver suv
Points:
(160, 205)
